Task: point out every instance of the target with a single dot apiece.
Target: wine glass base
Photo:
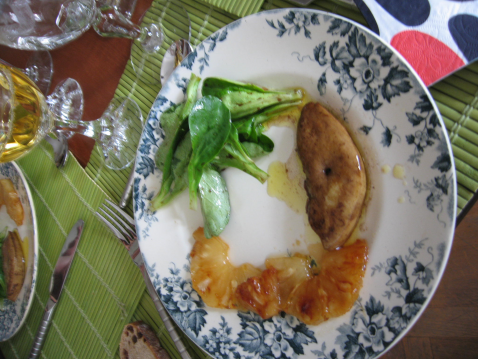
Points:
(66, 103)
(172, 20)
(119, 131)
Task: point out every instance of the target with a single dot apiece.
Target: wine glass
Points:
(117, 131)
(172, 40)
(27, 116)
(39, 68)
(49, 24)
(44, 24)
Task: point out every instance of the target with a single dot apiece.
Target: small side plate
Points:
(13, 314)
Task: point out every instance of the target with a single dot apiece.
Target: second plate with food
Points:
(14, 313)
(411, 204)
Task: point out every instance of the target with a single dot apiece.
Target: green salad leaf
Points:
(244, 99)
(215, 206)
(204, 136)
(209, 125)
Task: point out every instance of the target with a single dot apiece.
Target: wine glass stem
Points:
(111, 23)
(69, 128)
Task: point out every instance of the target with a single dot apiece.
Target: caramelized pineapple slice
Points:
(291, 272)
(11, 199)
(268, 294)
(13, 264)
(290, 284)
(213, 276)
(260, 294)
(333, 292)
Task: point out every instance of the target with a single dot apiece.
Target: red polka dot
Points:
(430, 57)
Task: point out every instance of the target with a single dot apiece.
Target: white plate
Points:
(13, 314)
(409, 222)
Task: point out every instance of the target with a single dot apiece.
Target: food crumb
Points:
(386, 169)
(399, 172)
(401, 199)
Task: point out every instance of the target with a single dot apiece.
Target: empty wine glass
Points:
(49, 24)
(117, 132)
(166, 25)
(44, 24)
(27, 116)
(173, 38)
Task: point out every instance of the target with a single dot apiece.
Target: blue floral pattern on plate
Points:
(13, 314)
(410, 215)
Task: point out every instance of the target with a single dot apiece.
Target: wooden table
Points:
(449, 326)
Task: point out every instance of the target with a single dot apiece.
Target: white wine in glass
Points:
(25, 117)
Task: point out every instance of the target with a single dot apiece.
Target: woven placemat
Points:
(103, 288)
(239, 8)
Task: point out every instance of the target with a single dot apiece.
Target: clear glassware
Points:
(44, 24)
(27, 116)
(39, 68)
(174, 25)
(117, 132)
(49, 24)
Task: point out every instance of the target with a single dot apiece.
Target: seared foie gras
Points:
(336, 182)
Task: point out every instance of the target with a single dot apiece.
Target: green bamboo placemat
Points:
(239, 8)
(95, 302)
(104, 288)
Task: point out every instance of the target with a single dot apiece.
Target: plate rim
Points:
(35, 249)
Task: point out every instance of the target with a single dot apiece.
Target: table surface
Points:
(447, 328)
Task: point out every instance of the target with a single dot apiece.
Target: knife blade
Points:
(57, 281)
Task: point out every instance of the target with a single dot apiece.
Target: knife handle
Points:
(42, 330)
(164, 316)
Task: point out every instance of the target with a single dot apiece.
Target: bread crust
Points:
(138, 341)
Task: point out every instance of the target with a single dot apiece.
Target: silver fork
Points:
(124, 229)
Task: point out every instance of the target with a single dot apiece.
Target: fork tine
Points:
(124, 226)
(117, 233)
(125, 215)
(117, 224)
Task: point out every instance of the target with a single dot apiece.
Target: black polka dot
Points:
(408, 12)
(464, 30)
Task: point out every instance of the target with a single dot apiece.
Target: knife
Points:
(56, 284)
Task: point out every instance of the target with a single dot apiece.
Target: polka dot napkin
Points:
(437, 37)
